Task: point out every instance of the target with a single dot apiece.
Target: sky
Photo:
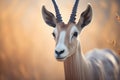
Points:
(26, 43)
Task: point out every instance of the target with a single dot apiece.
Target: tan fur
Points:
(67, 27)
(94, 66)
(79, 67)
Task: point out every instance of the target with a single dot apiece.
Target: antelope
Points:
(97, 64)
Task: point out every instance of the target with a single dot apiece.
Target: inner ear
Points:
(48, 17)
(85, 17)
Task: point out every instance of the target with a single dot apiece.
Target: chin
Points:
(60, 60)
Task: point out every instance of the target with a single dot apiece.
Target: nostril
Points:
(60, 52)
(56, 52)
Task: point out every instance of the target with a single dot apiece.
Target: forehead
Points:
(64, 27)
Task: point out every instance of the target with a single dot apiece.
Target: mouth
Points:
(60, 58)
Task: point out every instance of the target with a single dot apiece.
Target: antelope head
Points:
(66, 35)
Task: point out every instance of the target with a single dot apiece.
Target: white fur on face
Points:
(61, 45)
(56, 32)
(73, 29)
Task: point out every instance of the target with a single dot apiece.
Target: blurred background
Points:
(26, 43)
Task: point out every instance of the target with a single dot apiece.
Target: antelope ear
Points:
(85, 18)
(48, 17)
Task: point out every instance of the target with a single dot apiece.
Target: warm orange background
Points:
(26, 43)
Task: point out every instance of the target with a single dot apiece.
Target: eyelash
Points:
(75, 34)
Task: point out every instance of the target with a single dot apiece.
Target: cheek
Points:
(72, 46)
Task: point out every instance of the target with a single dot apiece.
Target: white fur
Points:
(56, 32)
(61, 45)
(73, 29)
(112, 59)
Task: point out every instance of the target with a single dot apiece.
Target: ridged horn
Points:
(58, 15)
(72, 17)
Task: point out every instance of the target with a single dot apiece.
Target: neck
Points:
(76, 66)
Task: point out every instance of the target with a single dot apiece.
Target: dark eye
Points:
(75, 34)
(53, 34)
